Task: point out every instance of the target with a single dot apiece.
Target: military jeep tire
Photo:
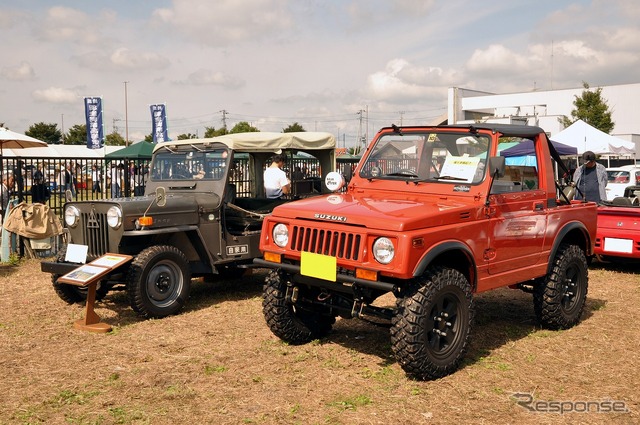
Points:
(430, 331)
(159, 281)
(72, 294)
(289, 322)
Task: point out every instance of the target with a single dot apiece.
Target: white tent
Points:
(61, 151)
(587, 138)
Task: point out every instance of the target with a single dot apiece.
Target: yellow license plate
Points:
(318, 266)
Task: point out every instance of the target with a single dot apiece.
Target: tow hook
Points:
(292, 294)
(358, 307)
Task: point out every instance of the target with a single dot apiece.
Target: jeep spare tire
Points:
(159, 281)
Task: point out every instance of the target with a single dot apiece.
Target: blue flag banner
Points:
(159, 123)
(93, 114)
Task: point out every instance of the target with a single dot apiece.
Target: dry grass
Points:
(218, 363)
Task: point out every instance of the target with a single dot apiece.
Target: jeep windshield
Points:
(181, 164)
(428, 156)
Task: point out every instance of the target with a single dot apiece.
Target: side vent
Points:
(465, 215)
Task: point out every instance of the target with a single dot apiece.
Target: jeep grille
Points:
(328, 242)
(95, 234)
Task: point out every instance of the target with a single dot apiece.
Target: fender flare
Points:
(441, 248)
(560, 236)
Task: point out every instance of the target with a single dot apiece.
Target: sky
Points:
(347, 67)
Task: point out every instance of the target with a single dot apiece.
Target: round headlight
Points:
(383, 250)
(71, 216)
(114, 217)
(280, 235)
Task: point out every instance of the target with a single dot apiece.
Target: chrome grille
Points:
(95, 233)
(328, 242)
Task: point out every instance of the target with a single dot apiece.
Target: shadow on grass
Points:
(203, 294)
(502, 316)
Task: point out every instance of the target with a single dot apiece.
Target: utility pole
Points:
(126, 116)
(62, 126)
(360, 137)
(115, 127)
(401, 116)
(224, 119)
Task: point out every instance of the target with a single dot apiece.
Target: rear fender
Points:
(574, 233)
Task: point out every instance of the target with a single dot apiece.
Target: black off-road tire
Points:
(559, 298)
(159, 281)
(72, 294)
(431, 330)
(289, 322)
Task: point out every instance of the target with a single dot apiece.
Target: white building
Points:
(544, 108)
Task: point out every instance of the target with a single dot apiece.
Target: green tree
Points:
(243, 127)
(77, 135)
(48, 133)
(187, 136)
(115, 139)
(293, 128)
(149, 138)
(212, 132)
(355, 151)
(591, 108)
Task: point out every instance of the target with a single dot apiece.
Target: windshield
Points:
(180, 165)
(615, 176)
(438, 156)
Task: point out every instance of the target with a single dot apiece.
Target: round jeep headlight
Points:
(383, 250)
(71, 216)
(114, 217)
(280, 235)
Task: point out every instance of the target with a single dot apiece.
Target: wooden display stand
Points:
(88, 275)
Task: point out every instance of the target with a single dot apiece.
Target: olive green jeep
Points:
(200, 216)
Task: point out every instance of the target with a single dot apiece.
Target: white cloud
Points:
(122, 58)
(403, 82)
(226, 22)
(56, 95)
(22, 72)
(67, 24)
(206, 77)
(497, 58)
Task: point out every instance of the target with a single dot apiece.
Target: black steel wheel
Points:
(559, 298)
(431, 330)
(159, 281)
(290, 322)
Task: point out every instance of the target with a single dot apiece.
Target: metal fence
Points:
(101, 178)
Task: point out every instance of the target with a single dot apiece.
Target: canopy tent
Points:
(140, 150)
(525, 148)
(587, 138)
(61, 151)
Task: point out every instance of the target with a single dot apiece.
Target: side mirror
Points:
(497, 166)
(161, 198)
(347, 172)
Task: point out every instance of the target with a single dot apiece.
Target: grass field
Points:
(217, 363)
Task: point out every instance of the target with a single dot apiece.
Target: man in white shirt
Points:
(276, 182)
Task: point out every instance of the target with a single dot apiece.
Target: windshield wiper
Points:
(449, 178)
(403, 174)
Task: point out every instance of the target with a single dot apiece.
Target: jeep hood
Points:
(179, 209)
(384, 212)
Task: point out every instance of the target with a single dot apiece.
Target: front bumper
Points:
(340, 278)
(54, 267)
